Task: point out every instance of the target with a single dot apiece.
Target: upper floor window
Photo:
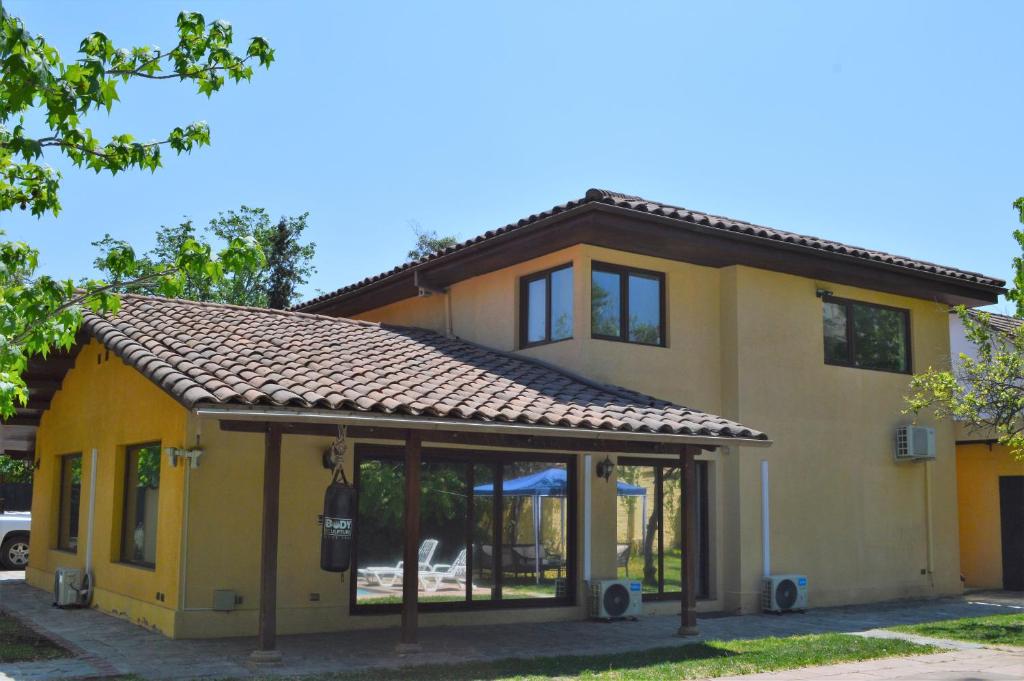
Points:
(866, 335)
(546, 306)
(627, 304)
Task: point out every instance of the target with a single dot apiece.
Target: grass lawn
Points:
(20, 644)
(692, 661)
(996, 629)
(673, 570)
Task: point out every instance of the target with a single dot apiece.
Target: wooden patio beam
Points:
(688, 521)
(498, 440)
(267, 637)
(411, 564)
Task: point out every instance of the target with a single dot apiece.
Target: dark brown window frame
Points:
(128, 450)
(623, 271)
(60, 503)
(524, 307)
(848, 303)
(470, 458)
(701, 469)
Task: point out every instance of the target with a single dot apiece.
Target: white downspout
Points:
(929, 523)
(586, 517)
(90, 524)
(766, 538)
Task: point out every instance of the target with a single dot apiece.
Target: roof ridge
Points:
(244, 308)
(598, 194)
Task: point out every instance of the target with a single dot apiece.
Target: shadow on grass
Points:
(689, 661)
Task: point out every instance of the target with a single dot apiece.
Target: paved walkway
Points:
(104, 645)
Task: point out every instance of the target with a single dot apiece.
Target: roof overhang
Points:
(609, 438)
(619, 228)
(43, 377)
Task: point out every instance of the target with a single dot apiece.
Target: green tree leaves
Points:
(35, 77)
(986, 393)
(39, 313)
(262, 264)
(428, 242)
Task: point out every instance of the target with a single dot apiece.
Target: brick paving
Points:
(105, 645)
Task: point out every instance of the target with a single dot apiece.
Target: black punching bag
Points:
(339, 522)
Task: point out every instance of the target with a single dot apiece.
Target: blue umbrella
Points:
(550, 482)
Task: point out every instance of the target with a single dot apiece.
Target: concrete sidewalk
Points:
(104, 645)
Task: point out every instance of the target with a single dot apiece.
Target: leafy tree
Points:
(38, 312)
(986, 393)
(288, 260)
(428, 242)
(15, 470)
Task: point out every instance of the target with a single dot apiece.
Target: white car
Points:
(14, 527)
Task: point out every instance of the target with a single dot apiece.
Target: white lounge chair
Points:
(455, 572)
(378, 575)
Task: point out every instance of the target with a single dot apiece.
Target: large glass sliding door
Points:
(649, 537)
(495, 529)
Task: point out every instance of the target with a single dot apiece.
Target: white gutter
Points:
(351, 418)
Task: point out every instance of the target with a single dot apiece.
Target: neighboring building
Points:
(990, 492)
(504, 364)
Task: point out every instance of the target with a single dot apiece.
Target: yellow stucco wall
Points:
(105, 405)
(979, 467)
(747, 344)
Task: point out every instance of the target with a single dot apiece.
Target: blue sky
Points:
(890, 125)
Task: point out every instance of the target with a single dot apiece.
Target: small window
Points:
(141, 499)
(627, 305)
(866, 336)
(70, 497)
(546, 306)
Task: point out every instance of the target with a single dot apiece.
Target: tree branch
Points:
(137, 72)
(86, 295)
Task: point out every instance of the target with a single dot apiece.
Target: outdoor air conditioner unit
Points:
(70, 589)
(784, 593)
(615, 598)
(914, 443)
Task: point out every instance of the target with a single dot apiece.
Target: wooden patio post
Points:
(411, 565)
(688, 520)
(267, 650)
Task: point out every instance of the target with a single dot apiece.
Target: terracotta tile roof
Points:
(1001, 322)
(684, 216)
(205, 354)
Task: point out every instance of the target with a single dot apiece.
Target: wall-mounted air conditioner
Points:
(616, 598)
(70, 588)
(914, 443)
(784, 593)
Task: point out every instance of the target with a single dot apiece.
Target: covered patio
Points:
(406, 587)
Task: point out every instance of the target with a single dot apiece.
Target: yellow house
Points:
(489, 372)
(182, 466)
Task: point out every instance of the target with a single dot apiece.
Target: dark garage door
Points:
(1011, 511)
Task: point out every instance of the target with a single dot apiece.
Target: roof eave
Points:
(342, 417)
(983, 293)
